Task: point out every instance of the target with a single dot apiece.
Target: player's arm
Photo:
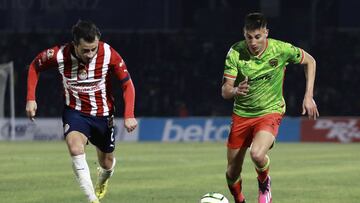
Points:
(309, 105)
(130, 122)
(128, 88)
(31, 106)
(43, 61)
(228, 90)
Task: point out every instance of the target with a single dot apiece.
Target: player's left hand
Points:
(309, 107)
(130, 124)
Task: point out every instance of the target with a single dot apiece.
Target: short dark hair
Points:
(255, 21)
(85, 30)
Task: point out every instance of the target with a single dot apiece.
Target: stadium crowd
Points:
(180, 73)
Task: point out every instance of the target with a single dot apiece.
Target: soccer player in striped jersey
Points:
(86, 66)
(253, 76)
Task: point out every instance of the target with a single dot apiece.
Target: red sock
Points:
(262, 175)
(235, 190)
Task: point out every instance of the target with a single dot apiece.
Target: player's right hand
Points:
(130, 124)
(242, 88)
(31, 108)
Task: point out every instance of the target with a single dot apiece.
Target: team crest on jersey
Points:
(82, 74)
(273, 62)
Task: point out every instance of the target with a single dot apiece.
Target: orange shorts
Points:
(243, 129)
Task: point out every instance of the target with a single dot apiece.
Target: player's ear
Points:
(75, 44)
(266, 32)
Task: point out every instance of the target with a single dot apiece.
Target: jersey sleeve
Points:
(119, 66)
(43, 61)
(231, 67)
(294, 54)
(121, 73)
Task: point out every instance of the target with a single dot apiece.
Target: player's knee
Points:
(75, 150)
(76, 143)
(257, 155)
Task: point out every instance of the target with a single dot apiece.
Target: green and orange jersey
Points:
(265, 76)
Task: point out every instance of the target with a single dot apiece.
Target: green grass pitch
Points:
(40, 172)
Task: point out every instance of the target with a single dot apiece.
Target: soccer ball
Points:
(213, 197)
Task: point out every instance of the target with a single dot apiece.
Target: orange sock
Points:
(264, 171)
(262, 175)
(235, 189)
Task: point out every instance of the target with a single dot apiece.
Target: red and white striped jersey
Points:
(87, 87)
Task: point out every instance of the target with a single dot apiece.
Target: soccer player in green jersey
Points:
(253, 76)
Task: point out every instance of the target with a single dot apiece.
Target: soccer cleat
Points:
(101, 189)
(265, 191)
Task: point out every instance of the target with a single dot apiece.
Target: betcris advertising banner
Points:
(331, 129)
(191, 129)
(204, 129)
(184, 129)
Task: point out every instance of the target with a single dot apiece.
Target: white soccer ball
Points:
(213, 197)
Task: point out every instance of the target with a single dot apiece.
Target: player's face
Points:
(256, 40)
(86, 50)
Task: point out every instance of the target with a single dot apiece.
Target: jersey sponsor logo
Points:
(273, 62)
(261, 77)
(82, 74)
(84, 86)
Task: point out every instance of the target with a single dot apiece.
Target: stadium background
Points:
(175, 51)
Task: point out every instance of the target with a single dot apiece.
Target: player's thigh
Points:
(240, 135)
(76, 142)
(265, 132)
(262, 142)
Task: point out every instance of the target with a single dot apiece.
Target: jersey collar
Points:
(266, 46)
